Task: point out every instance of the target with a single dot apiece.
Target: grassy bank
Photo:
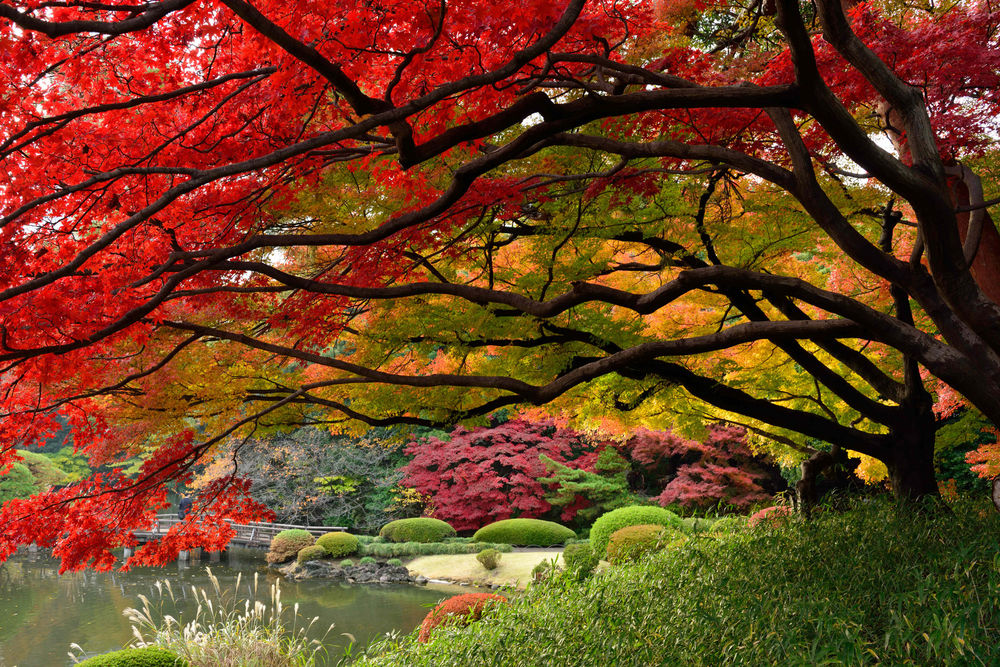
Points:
(871, 586)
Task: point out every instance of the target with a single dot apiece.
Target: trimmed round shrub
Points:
(727, 524)
(395, 562)
(525, 532)
(287, 544)
(367, 560)
(315, 552)
(489, 558)
(628, 516)
(631, 543)
(135, 657)
(459, 610)
(421, 529)
(338, 544)
(771, 517)
(347, 562)
(580, 558)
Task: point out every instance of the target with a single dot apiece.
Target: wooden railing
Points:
(254, 534)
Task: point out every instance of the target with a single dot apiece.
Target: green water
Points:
(42, 612)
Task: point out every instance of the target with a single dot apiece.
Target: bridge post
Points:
(214, 556)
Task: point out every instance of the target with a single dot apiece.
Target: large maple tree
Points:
(218, 216)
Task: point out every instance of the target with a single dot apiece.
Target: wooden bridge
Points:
(255, 534)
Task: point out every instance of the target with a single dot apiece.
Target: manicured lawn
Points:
(515, 568)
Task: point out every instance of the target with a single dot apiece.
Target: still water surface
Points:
(42, 612)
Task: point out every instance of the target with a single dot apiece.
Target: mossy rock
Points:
(338, 544)
(135, 657)
(421, 529)
(635, 515)
(525, 532)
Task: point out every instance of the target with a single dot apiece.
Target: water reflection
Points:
(42, 612)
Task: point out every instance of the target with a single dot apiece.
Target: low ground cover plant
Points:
(524, 532)
(421, 529)
(873, 586)
(338, 544)
(635, 515)
(409, 549)
(135, 657)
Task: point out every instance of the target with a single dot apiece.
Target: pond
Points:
(42, 612)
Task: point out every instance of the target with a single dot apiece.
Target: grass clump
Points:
(395, 562)
(635, 515)
(367, 560)
(489, 558)
(580, 558)
(421, 529)
(338, 544)
(873, 586)
(347, 562)
(228, 630)
(524, 532)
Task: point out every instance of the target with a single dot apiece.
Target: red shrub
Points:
(459, 610)
(771, 517)
(702, 474)
(489, 474)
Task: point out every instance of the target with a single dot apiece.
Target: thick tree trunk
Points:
(805, 489)
(911, 469)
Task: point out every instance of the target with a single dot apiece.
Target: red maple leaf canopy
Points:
(204, 201)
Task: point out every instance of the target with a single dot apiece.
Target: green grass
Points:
(867, 587)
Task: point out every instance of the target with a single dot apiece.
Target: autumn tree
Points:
(224, 218)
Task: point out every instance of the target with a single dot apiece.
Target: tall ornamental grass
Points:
(225, 632)
(873, 586)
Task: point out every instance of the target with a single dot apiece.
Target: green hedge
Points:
(870, 587)
(580, 558)
(338, 544)
(631, 543)
(422, 529)
(525, 532)
(135, 657)
(287, 544)
(409, 549)
(628, 516)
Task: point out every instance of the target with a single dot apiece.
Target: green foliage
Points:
(631, 543)
(74, 465)
(728, 524)
(315, 552)
(544, 570)
(135, 657)
(46, 472)
(580, 558)
(961, 434)
(692, 525)
(17, 483)
(489, 558)
(606, 489)
(347, 562)
(608, 523)
(407, 549)
(872, 586)
(287, 544)
(338, 544)
(421, 529)
(524, 532)
(367, 560)
(395, 562)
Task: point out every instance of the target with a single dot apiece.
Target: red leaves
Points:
(489, 474)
